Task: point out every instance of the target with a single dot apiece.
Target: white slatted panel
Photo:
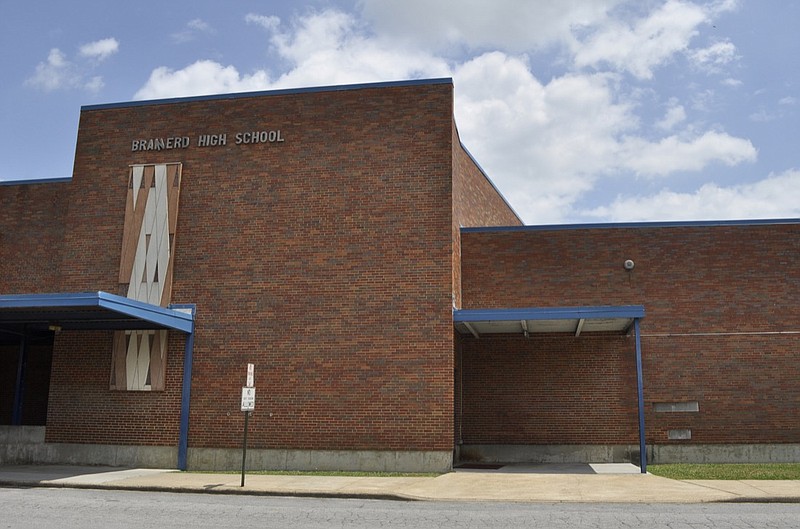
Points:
(150, 266)
(131, 360)
(143, 359)
(138, 174)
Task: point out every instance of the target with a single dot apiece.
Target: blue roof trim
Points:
(486, 176)
(656, 224)
(549, 313)
(160, 316)
(284, 91)
(35, 181)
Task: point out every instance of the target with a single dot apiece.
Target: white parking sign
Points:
(248, 399)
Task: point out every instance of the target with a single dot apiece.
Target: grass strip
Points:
(726, 471)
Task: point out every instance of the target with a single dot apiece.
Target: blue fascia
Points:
(655, 224)
(32, 181)
(548, 313)
(186, 393)
(163, 317)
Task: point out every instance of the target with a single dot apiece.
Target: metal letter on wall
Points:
(145, 271)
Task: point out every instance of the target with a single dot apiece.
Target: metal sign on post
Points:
(248, 405)
(248, 399)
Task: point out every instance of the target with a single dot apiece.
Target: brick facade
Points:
(326, 248)
(325, 259)
(721, 329)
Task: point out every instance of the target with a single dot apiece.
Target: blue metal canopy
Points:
(89, 310)
(547, 319)
(24, 314)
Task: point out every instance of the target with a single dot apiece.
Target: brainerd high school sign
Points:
(207, 140)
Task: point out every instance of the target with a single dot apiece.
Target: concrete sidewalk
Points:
(515, 484)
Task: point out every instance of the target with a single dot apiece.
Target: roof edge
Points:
(30, 181)
(649, 224)
(549, 313)
(486, 176)
(261, 93)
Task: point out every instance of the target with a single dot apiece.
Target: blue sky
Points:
(579, 110)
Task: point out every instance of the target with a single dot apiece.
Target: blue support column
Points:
(640, 391)
(19, 388)
(186, 394)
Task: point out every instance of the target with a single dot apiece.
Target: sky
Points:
(579, 111)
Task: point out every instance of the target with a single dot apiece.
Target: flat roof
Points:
(262, 93)
(648, 224)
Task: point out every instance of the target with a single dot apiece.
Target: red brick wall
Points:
(83, 410)
(325, 260)
(548, 389)
(702, 286)
(31, 233)
(476, 202)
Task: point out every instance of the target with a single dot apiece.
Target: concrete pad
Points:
(97, 478)
(630, 488)
(455, 486)
(269, 484)
(615, 468)
(68, 474)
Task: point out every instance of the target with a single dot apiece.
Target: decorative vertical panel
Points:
(145, 271)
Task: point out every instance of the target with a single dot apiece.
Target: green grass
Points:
(329, 473)
(728, 471)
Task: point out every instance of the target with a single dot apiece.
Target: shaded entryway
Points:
(25, 361)
(549, 385)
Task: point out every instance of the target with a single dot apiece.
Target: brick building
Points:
(397, 313)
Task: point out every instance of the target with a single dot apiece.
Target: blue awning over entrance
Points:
(573, 320)
(22, 315)
(89, 310)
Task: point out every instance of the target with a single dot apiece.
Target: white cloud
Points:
(267, 22)
(788, 101)
(649, 42)
(100, 49)
(777, 196)
(95, 84)
(60, 73)
(675, 114)
(546, 144)
(199, 78)
(762, 116)
(712, 59)
(199, 25)
(55, 73)
(193, 28)
(732, 82)
(542, 144)
(506, 24)
(673, 154)
(323, 48)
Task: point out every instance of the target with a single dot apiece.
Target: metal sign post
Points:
(248, 405)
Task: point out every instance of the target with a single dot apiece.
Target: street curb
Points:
(231, 492)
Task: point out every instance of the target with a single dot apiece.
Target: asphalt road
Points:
(57, 508)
